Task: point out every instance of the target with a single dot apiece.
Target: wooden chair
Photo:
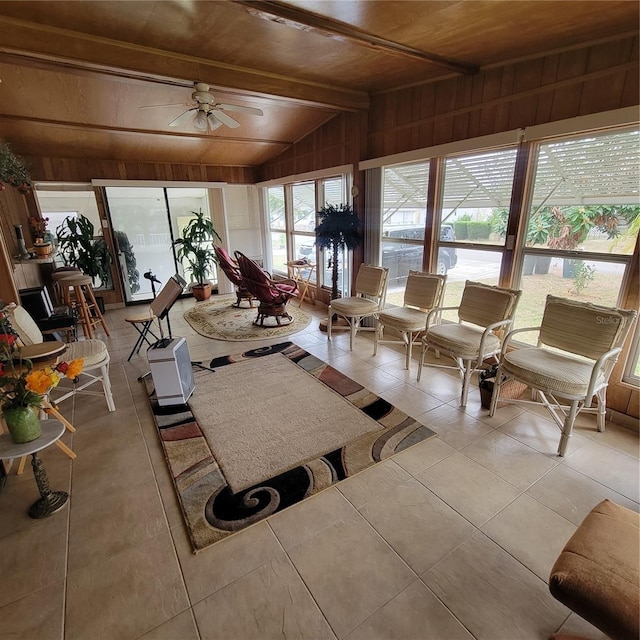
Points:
(578, 345)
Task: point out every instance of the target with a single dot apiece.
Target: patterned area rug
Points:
(211, 510)
(217, 319)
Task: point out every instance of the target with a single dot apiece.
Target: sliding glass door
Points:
(145, 221)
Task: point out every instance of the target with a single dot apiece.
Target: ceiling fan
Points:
(207, 114)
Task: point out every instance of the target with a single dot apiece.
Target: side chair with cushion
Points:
(93, 352)
(272, 294)
(485, 314)
(422, 293)
(230, 268)
(371, 292)
(578, 345)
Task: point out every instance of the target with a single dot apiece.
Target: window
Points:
(583, 222)
(475, 206)
(291, 211)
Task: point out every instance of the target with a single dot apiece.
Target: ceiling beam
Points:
(96, 54)
(82, 126)
(306, 21)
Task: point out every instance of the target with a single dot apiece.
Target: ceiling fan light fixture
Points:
(214, 123)
(200, 121)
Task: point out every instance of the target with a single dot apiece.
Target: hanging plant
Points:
(13, 170)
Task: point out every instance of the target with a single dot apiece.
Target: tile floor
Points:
(453, 538)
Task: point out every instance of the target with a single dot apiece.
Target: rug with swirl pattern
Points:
(214, 505)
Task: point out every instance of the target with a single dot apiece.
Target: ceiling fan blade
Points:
(225, 119)
(240, 109)
(154, 106)
(181, 118)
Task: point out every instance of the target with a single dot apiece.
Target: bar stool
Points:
(57, 275)
(89, 315)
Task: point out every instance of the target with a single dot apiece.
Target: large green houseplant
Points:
(195, 247)
(80, 247)
(338, 228)
(13, 170)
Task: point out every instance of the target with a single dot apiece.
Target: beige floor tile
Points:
(170, 501)
(301, 522)
(573, 495)
(439, 384)
(182, 627)
(117, 433)
(376, 380)
(540, 434)
(620, 438)
(122, 518)
(470, 489)
(492, 594)
(350, 571)
(269, 602)
(411, 400)
(531, 533)
(372, 482)
(38, 615)
(126, 594)
(423, 455)
(93, 476)
(608, 467)
(224, 562)
(34, 557)
(419, 526)
(413, 614)
(476, 410)
(513, 461)
(453, 426)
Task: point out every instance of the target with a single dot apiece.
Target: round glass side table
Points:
(50, 501)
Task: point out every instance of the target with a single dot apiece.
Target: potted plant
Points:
(195, 247)
(338, 228)
(13, 170)
(79, 247)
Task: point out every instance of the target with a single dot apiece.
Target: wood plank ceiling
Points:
(75, 74)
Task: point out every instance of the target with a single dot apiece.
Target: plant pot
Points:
(528, 265)
(42, 249)
(201, 291)
(542, 264)
(23, 424)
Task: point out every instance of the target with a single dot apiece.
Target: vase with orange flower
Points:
(23, 388)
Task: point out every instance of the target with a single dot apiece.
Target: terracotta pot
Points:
(23, 424)
(201, 291)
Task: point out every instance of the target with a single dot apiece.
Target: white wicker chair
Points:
(485, 312)
(578, 346)
(371, 292)
(93, 352)
(422, 293)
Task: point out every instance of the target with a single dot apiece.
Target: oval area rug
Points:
(217, 319)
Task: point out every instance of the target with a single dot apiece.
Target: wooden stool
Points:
(89, 315)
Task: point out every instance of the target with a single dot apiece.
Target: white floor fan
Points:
(207, 114)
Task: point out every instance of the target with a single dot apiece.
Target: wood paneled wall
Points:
(563, 85)
(76, 170)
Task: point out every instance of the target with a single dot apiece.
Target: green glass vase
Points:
(23, 424)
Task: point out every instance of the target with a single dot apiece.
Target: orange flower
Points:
(75, 368)
(38, 382)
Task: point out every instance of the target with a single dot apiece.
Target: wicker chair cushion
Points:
(25, 326)
(354, 306)
(371, 280)
(548, 370)
(460, 339)
(423, 289)
(484, 304)
(403, 319)
(92, 352)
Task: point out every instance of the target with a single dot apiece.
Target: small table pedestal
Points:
(50, 501)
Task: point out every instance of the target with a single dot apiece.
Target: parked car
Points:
(401, 257)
